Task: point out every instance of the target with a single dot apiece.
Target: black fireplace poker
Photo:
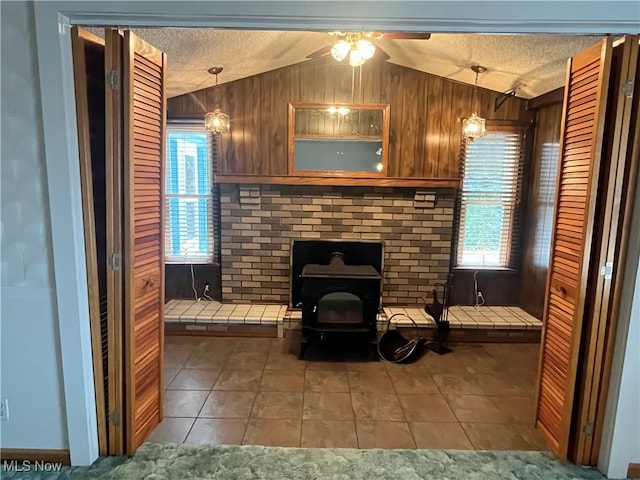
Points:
(439, 311)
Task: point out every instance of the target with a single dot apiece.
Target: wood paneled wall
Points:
(498, 287)
(179, 283)
(426, 112)
(542, 179)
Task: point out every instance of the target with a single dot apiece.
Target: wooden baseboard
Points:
(633, 471)
(32, 455)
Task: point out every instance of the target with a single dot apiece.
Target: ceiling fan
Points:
(358, 47)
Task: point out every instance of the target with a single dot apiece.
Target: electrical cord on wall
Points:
(193, 279)
(206, 291)
(478, 295)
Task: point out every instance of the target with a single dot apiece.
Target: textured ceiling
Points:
(532, 64)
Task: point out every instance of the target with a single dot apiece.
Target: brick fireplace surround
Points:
(259, 223)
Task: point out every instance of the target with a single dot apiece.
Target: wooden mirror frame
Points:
(384, 137)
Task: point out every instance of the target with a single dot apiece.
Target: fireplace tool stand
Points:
(440, 313)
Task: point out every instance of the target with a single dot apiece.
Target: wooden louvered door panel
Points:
(618, 179)
(576, 198)
(114, 216)
(88, 72)
(143, 84)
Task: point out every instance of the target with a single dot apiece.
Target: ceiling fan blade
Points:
(320, 53)
(401, 35)
(381, 55)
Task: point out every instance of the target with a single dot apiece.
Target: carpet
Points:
(155, 461)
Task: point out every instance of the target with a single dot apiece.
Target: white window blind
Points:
(189, 222)
(491, 187)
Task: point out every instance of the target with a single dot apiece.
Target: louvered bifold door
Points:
(88, 73)
(114, 218)
(143, 85)
(576, 198)
(618, 180)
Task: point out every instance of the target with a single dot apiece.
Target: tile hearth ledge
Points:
(280, 316)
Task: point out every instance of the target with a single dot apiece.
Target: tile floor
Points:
(222, 390)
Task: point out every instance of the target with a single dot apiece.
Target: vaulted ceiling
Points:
(530, 64)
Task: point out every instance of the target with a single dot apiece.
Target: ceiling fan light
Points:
(356, 59)
(340, 50)
(473, 127)
(216, 122)
(366, 49)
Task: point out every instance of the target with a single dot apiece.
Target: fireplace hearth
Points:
(340, 302)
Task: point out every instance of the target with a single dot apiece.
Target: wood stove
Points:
(340, 302)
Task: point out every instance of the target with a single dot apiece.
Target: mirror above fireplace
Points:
(345, 140)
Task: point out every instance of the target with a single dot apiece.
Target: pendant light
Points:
(474, 126)
(216, 121)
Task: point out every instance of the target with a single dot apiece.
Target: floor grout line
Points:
(465, 363)
(253, 404)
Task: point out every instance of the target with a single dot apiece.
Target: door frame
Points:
(53, 39)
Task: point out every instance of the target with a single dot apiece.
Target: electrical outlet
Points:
(4, 409)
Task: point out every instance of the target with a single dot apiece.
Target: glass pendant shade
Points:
(366, 49)
(473, 127)
(340, 50)
(217, 122)
(355, 58)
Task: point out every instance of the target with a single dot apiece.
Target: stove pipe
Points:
(336, 259)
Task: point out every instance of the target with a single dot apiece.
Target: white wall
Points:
(625, 443)
(31, 373)
(621, 435)
(621, 439)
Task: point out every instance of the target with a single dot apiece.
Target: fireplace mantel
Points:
(340, 181)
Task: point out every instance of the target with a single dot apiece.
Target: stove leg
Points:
(374, 350)
(304, 343)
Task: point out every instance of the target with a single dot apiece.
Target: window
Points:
(489, 201)
(189, 197)
(545, 203)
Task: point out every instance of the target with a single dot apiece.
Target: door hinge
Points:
(114, 418)
(606, 270)
(114, 261)
(627, 88)
(587, 429)
(114, 79)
